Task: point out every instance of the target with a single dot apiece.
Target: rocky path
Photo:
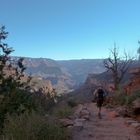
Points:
(108, 128)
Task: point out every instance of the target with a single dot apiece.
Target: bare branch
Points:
(117, 66)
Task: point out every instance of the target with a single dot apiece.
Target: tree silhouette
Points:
(13, 96)
(117, 66)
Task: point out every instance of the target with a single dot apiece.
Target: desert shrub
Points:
(63, 112)
(17, 102)
(132, 97)
(72, 102)
(119, 99)
(12, 96)
(31, 126)
(123, 99)
(115, 99)
(43, 103)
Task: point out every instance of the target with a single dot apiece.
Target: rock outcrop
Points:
(77, 120)
(134, 82)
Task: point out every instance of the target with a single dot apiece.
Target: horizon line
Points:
(71, 59)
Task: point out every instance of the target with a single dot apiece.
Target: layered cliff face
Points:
(85, 92)
(129, 84)
(49, 70)
(80, 69)
(65, 76)
(134, 83)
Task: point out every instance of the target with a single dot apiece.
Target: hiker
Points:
(99, 96)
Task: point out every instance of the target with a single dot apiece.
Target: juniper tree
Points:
(13, 97)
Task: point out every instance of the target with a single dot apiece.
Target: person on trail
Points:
(99, 96)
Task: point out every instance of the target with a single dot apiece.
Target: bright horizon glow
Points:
(71, 29)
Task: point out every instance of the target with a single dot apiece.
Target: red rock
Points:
(138, 130)
(136, 103)
(113, 114)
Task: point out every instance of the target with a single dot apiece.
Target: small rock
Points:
(129, 122)
(80, 120)
(78, 124)
(113, 114)
(84, 112)
(78, 110)
(123, 111)
(70, 126)
(135, 125)
(86, 117)
(66, 122)
(90, 135)
(136, 103)
(138, 130)
(84, 108)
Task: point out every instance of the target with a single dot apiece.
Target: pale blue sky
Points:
(70, 29)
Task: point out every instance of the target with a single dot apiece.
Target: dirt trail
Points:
(107, 128)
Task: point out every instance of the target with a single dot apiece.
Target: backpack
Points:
(100, 94)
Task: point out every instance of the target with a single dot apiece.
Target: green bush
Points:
(42, 102)
(119, 99)
(72, 102)
(32, 127)
(132, 97)
(123, 99)
(63, 112)
(17, 102)
(13, 99)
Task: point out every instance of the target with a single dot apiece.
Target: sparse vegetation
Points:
(72, 102)
(123, 99)
(12, 90)
(63, 112)
(132, 97)
(31, 126)
(22, 113)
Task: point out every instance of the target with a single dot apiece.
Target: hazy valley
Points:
(64, 75)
